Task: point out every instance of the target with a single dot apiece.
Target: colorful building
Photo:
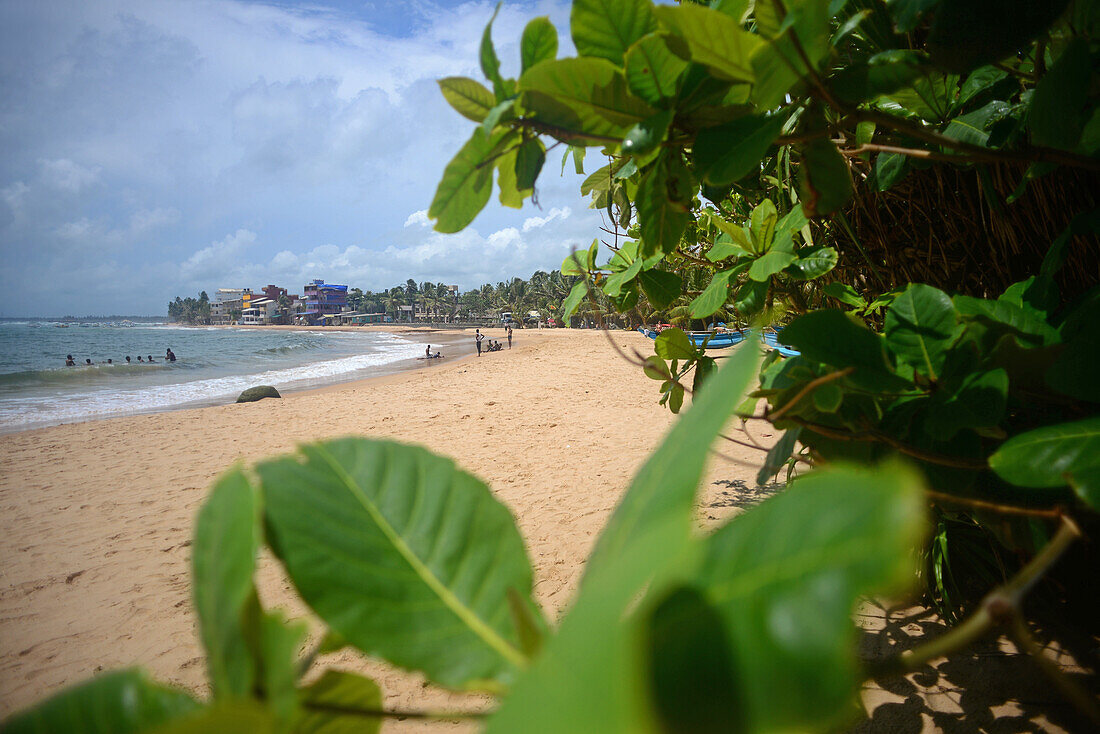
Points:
(322, 300)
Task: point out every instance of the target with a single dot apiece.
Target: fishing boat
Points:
(724, 339)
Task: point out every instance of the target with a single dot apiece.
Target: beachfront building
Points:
(323, 300)
(229, 304)
(261, 311)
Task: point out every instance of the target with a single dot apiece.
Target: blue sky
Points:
(155, 148)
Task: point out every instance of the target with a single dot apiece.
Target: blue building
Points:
(323, 299)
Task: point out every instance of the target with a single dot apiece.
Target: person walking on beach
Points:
(478, 336)
(509, 337)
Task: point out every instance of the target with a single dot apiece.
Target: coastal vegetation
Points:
(907, 189)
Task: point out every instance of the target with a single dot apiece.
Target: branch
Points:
(369, 713)
(808, 388)
(1053, 514)
(1000, 607)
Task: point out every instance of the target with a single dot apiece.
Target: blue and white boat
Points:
(724, 339)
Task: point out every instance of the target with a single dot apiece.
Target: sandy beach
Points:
(96, 518)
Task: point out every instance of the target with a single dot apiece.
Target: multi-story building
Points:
(323, 299)
(228, 302)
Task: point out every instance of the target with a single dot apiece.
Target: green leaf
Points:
(280, 645)
(1048, 456)
(778, 455)
(223, 558)
(1007, 317)
(969, 33)
(825, 184)
(469, 98)
(656, 369)
(930, 96)
(714, 39)
(814, 262)
(674, 344)
(661, 287)
(225, 718)
(329, 705)
(750, 297)
(530, 158)
(573, 264)
(921, 324)
(1056, 114)
(844, 293)
(662, 221)
(119, 702)
(1086, 483)
(647, 135)
(882, 74)
(676, 397)
(586, 98)
(831, 337)
(644, 545)
(466, 184)
(704, 368)
(613, 286)
(714, 297)
(978, 403)
(502, 112)
(607, 28)
(786, 576)
(889, 169)
(728, 153)
(973, 127)
(490, 64)
(539, 43)
(406, 556)
(828, 398)
(510, 193)
(762, 225)
(652, 71)
(978, 81)
(906, 13)
(573, 300)
(773, 261)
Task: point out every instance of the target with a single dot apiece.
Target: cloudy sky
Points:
(155, 148)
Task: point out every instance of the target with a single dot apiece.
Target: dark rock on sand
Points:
(259, 392)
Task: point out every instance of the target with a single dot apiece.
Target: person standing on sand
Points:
(478, 336)
(509, 337)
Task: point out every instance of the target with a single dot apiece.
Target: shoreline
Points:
(450, 341)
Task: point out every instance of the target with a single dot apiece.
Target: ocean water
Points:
(212, 367)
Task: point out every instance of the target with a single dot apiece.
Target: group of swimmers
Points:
(168, 357)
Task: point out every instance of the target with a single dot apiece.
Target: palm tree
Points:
(392, 300)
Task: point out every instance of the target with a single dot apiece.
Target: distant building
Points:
(227, 301)
(323, 299)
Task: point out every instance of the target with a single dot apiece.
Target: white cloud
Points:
(538, 222)
(219, 258)
(149, 219)
(419, 217)
(66, 175)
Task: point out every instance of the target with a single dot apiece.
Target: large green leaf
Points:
(882, 74)
(661, 219)
(591, 677)
(467, 182)
(119, 702)
(1006, 317)
(966, 34)
(978, 403)
(846, 294)
(714, 39)
(813, 262)
(573, 300)
(831, 337)
(329, 705)
(785, 578)
(825, 184)
(652, 71)
(660, 286)
(906, 13)
(613, 286)
(779, 256)
(490, 64)
(921, 324)
(401, 553)
(889, 169)
(223, 558)
(713, 297)
(582, 98)
(1050, 456)
(973, 127)
(607, 28)
(674, 344)
(728, 153)
(469, 98)
(232, 717)
(280, 646)
(1056, 115)
(539, 43)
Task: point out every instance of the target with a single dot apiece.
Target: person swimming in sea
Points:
(69, 361)
(88, 362)
(169, 356)
(150, 359)
(140, 359)
(127, 360)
